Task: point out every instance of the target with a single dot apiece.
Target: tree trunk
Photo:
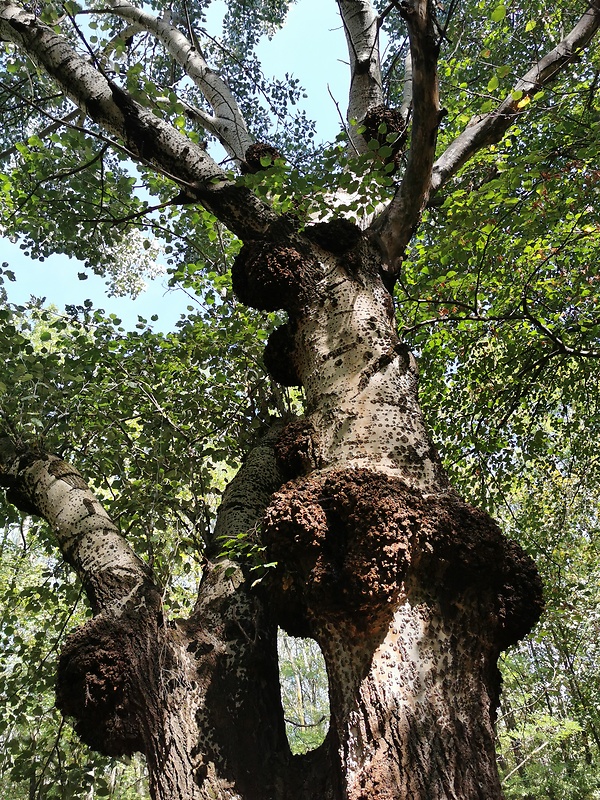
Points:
(410, 592)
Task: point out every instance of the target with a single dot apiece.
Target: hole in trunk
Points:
(304, 692)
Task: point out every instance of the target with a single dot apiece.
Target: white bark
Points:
(147, 137)
(227, 123)
(86, 536)
(414, 713)
(407, 92)
(361, 384)
(361, 25)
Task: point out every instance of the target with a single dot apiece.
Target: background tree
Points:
(480, 220)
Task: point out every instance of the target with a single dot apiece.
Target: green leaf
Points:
(493, 84)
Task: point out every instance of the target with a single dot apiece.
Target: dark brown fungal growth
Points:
(382, 115)
(259, 156)
(297, 450)
(98, 684)
(388, 127)
(271, 277)
(278, 356)
(349, 542)
(337, 236)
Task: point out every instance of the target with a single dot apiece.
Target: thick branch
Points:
(44, 485)
(490, 128)
(248, 494)
(361, 26)
(242, 508)
(397, 223)
(227, 124)
(148, 139)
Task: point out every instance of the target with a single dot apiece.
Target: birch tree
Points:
(411, 592)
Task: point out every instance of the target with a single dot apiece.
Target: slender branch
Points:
(228, 123)
(394, 228)
(490, 128)
(337, 107)
(147, 138)
(361, 26)
(556, 340)
(526, 759)
(407, 91)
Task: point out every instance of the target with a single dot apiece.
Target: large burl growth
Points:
(411, 593)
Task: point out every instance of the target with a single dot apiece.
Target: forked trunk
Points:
(409, 591)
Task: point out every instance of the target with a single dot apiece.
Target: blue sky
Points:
(311, 46)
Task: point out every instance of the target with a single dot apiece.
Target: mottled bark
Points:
(411, 593)
(226, 122)
(41, 484)
(146, 137)
(361, 26)
(411, 597)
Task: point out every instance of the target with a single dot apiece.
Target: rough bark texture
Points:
(411, 598)
(410, 592)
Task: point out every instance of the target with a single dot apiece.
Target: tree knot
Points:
(271, 276)
(99, 683)
(350, 543)
(278, 356)
(258, 157)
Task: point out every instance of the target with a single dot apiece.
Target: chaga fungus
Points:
(347, 544)
(297, 450)
(95, 687)
(394, 133)
(337, 236)
(278, 356)
(271, 277)
(259, 156)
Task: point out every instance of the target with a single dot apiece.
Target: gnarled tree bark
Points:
(410, 592)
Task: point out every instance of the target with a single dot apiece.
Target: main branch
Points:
(361, 26)
(228, 123)
(44, 485)
(395, 226)
(147, 138)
